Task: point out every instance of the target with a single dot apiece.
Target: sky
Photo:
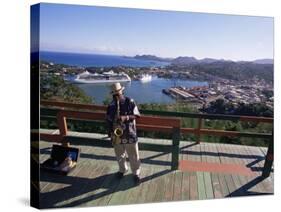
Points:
(120, 31)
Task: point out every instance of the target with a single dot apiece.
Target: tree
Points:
(53, 87)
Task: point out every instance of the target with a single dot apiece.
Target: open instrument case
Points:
(63, 160)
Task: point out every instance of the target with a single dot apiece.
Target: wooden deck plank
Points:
(266, 186)
(197, 151)
(258, 188)
(201, 185)
(144, 188)
(185, 195)
(204, 157)
(194, 152)
(162, 179)
(263, 150)
(222, 179)
(246, 180)
(177, 186)
(216, 186)
(52, 186)
(212, 154)
(169, 187)
(221, 153)
(160, 184)
(160, 189)
(257, 159)
(82, 189)
(223, 185)
(182, 148)
(104, 193)
(229, 182)
(208, 185)
(193, 186)
(238, 184)
(59, 194)
(237, 158)
(87, 191)
(214, 179)
(137, 193)
(229, 160)
(213, 187)
(240, 180)
(120, 193)
(154, 182)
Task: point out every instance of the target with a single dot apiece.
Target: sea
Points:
(141, 92)
(97, 60)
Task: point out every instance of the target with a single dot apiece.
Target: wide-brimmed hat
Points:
(116, 88)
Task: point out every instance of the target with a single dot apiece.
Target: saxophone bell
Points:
(118, 131)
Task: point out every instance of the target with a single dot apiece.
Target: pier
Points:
(198, 94)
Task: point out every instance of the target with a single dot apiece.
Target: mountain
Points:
(208, 60)
(152, 57)
(264, 61)
(186, 60)
(192, 60)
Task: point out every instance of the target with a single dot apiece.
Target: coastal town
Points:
(227, 90)
(254, 90)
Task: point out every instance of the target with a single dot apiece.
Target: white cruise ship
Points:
(145, 78)
(105, 77)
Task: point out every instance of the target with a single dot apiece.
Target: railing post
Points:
(198, 137)
(175, 148)
(268, 159)
(62, 125)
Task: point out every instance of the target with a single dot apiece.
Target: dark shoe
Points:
(119, 175)
(137, 179)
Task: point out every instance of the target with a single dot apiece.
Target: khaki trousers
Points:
(133, 155)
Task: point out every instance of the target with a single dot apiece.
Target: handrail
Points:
(142, 124)
(170, 125)
(151, 123)
(197, 131)
(73, 105)
(162, 113)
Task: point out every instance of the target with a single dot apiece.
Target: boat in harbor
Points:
(93, 78)
(145, 78)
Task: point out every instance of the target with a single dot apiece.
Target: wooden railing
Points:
(158, 123)
(147, 123)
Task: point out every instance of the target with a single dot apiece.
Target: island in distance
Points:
(186, 60)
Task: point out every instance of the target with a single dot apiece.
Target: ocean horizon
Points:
(151, 91)
(96, 60)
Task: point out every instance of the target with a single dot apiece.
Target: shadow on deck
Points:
(93, 182)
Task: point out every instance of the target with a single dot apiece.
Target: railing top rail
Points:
(73, 105)
(163, 113)
(210, 116)
(100, 116)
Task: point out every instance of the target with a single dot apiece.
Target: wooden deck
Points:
(93, 183)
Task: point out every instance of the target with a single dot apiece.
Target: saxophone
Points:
(117, 129)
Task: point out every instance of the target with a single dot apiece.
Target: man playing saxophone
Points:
(121, 118)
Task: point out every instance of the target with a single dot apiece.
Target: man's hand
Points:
(124, 118)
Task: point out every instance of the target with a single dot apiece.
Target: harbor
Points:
(151, 90)
(197, 94)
